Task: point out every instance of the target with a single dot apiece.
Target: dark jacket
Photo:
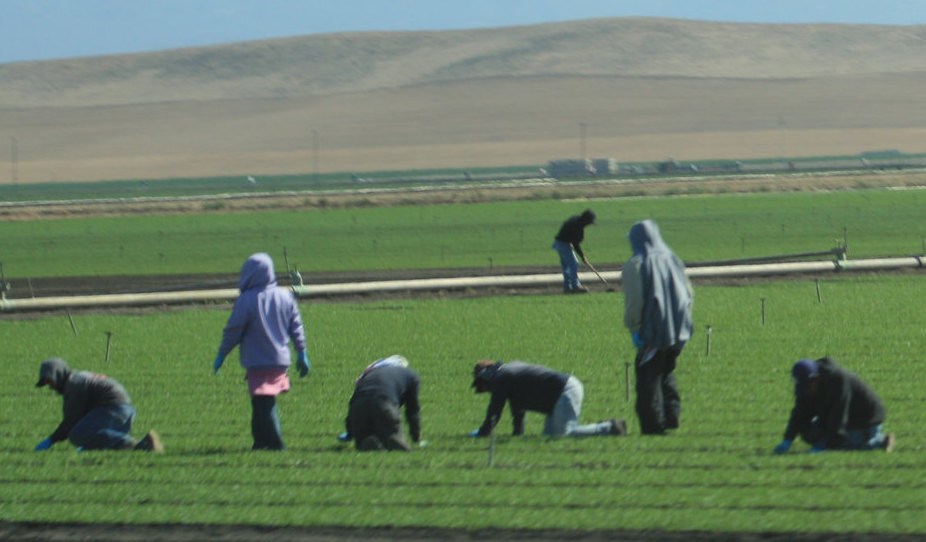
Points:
(83, 392)
(658, 296)
(843, 402)
(526, 387)
(398, 385)
(573, 231)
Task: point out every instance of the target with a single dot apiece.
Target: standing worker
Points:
(98, 414)
(527, 386)
(568, 245)
(263, 320)
(373, 416)
(834, 410)
(657, 312)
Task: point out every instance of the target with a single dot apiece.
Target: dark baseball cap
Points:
(803, 372)
(483, 371)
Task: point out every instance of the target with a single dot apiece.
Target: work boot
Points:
(150, 443)
(618, 427)
(888, 443)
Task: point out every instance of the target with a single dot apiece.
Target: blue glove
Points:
(474, 433)
(219, 360)
(637, 340)
(44, 445)
(783, 447)
(345, 437)
(302, 363)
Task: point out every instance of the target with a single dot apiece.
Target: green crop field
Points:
(877, 222)
(716, 473)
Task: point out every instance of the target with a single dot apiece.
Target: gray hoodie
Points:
(657, 292)
(82, 392)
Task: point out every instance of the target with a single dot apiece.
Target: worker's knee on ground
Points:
(370, 443)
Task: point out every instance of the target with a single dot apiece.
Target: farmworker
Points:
(98, 413)
(373, 418)
(657, 312)
(530, 387)
(834, 410)
(263, 321)
(568, 244)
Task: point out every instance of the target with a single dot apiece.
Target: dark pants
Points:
(868, 438)
(265, 423)
(376, 424)
(658, 402)
(105, 428)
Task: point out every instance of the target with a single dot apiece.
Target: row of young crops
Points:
(716, 472)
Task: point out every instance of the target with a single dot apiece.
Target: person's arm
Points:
(577, 247)
(796, 420)
(632, 286)
(296, 328)
(413, 410)
(234, 327)
(74, 409)
(493, 413)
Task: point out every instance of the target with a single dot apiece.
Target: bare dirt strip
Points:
(567, 189)
(72, 532)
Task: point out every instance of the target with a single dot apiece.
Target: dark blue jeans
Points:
(870, 438)
(105, 428)
(265, 423)
(569, 263)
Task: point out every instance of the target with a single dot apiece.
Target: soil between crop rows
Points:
(69, 532)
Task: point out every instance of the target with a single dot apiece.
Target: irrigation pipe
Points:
(459, 283)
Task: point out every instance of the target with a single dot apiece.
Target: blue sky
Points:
(48, 29)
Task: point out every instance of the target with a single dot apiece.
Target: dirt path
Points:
(584, 189)
(65, 532)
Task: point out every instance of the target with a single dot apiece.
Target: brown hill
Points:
(644, 89)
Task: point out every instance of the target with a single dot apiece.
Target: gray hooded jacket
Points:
(82, 392)
(657, 292)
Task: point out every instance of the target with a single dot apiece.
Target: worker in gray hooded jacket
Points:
(98, 413)
(657, 312)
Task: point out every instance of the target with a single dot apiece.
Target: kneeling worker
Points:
(98, 413)
(538, 389)
(834, 410)
(373, 418)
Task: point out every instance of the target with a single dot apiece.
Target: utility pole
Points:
(315, 153)
(14, 157)
(582, 141)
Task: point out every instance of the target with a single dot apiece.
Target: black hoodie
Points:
(843, 402)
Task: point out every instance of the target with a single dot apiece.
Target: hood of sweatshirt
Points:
(257, 273)
(54, 372)
(644, 237)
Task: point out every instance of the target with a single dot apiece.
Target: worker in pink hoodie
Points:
(263, 321)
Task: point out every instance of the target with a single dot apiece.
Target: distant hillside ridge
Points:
(333, 64)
